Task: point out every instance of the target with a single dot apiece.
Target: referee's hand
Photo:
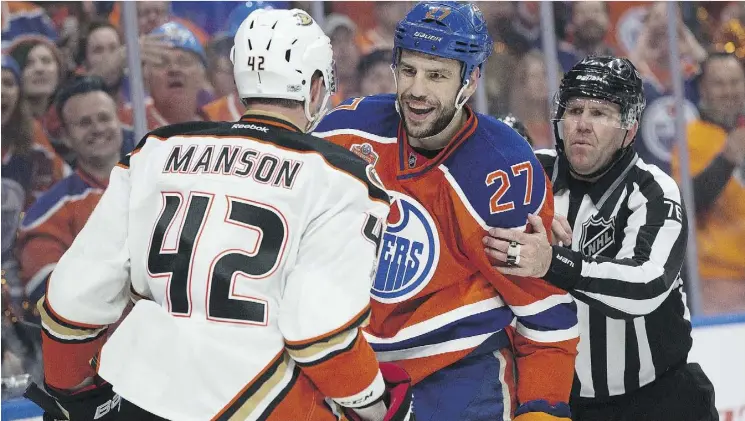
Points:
(534, 249)
(562, 231)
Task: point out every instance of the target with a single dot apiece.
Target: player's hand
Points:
(398, 395)
(533, 249)
(562, 231)
(99, 403)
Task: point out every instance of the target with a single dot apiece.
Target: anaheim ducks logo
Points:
(410, 250)
(303, 19)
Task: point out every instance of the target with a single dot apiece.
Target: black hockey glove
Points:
(99, 404)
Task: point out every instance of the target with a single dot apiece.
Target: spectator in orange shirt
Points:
(342, 31)
(174, 79)
(92, 130)
(716, 145)
(27, 156)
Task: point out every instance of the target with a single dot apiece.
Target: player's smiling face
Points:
(427, 87)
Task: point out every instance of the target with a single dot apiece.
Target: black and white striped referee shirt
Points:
(628, 243)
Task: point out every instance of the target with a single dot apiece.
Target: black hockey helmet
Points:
(606, 78)
(517, 125)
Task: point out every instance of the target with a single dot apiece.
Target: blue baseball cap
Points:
(181, 37)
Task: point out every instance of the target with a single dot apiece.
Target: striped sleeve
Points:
(647, 267)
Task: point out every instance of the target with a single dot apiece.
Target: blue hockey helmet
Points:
(445, 29)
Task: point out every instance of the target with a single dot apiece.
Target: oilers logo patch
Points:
(410, 250)
(366, 152)
(597, 235)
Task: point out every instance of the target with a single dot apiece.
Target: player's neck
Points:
(294, 116)
(441, 140)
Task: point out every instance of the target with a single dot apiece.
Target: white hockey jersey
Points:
(250, 248)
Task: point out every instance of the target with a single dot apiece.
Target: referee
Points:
(619, 250)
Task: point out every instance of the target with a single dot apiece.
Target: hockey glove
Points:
(398, 395)
(99, 403)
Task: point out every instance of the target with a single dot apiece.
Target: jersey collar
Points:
(272, 119)
(422, 164)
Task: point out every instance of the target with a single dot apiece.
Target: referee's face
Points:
(592, 133)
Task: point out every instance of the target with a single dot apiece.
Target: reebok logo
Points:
(565, 260)
(108, 406)
(427, 36)
(250, 126)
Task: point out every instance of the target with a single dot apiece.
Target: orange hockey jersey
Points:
(436, 297)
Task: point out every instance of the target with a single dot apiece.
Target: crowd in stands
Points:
(67, 109)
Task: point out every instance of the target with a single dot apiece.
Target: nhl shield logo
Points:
(366, 152)
(597, 235)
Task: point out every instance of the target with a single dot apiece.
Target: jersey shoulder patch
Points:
(371, 116)
(498, 174)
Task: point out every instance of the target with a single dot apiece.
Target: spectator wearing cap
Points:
(374, 72)
(342, 32)
(228, 106)
(92, 131)
(174, 79)
(28, 157)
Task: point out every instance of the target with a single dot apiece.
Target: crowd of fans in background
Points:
(67, 110)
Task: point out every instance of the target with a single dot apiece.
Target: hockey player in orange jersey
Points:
(249, 249)
(439, 308)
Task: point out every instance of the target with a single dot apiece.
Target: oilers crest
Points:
(410, 250)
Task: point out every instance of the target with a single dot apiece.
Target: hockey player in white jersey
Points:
(249, 248)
